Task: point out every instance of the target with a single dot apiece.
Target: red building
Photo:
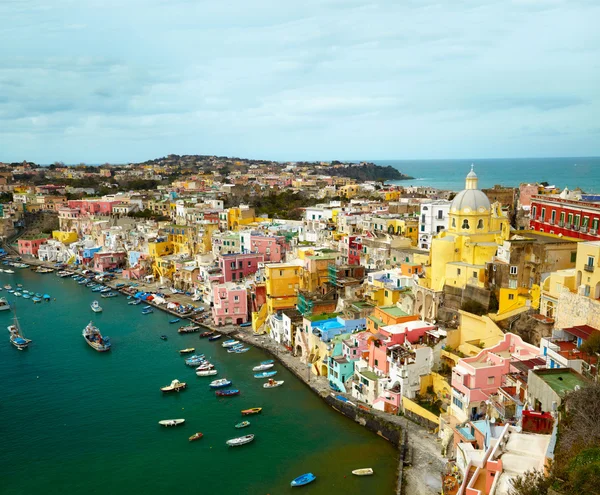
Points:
(351, 248)
(31, 245)
(93, 206)
(571, 218)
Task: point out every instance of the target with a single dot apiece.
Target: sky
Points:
(99, 81)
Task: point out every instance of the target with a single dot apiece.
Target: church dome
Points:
(470, 199)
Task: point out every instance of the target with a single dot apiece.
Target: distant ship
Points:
(94, 338)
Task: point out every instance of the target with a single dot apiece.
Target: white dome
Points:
(474, 199)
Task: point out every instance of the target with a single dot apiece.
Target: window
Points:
(512, 284)
(458, 271)
(465, 224)
(543, 214)
(562, 218)
(422, 218)
(249, 263)
(577, 220)
(440, 214)
(480, 224)
(513, 270)
(595, 222)
(232, 264)
(281, 273)
(511, 297)
(386, 293)
(236, 298)
(491, 380)
(422, 228)
(590, 261)
(233, 276)
(570, 219)
(573, 256)
(586, 221)
(474, 274)
(454, 222)
(533, 212)
(553, 216)
(457, 403)
(376, 362)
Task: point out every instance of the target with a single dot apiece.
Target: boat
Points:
(272, 383)
(206, 372)
(4, 306)
(26, 296)
(18, 294)
(171, 422)
(8, 287)
(243, 424)
(147, 311)
(195, 357)
(188, 329)
(305, 479)
(227, 393)
(46, 297)
(223, 382)
(236, 442)
(36, 299)
(163, 337)
(214, 337)
(175, 386)
(206, 334)
(189, 350)
(91, 284)
(205, 366)
(230, 343)
(262, 367)
(253, 410)
(97, 288)
(235, 348)
(135, 302)
(363, 472)
(96, 308)
(240, 351)
(176, 320)
(82, 281)
(94, 338)
(268, 361)
(9, 271)
(247, 324)
(265, 374)
(196, 436)
(16, 335)
(109, 294)
(11, 291)
(105, 290)
(38, 295)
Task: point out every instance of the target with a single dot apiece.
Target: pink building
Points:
(93, 206)
(238, 266)
(526, 191)
(108, 261)
(357, 346)
(273, 248)
(230, 304)
(475, 379)
(31, 245)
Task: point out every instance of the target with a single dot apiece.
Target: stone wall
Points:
(574, 309)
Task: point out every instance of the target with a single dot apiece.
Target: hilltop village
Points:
(473, 313)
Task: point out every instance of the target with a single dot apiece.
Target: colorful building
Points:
(230, 304)
(238, 266)
(30, 244)
(282, 282)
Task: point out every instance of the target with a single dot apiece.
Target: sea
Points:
(73, 420)
(582, 172)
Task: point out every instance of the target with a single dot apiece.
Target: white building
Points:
(432, 220)
(55, 252)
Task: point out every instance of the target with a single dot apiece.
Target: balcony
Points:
(575, 227)
(583, 229)
(593, 231)
(567, 225)
(588, 268)
(561, 223)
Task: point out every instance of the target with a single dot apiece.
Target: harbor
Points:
(106, 406)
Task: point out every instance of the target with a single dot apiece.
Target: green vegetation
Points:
(368, 172)
(474, 307)
(285, 204)
(148, 214)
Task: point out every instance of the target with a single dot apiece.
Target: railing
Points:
(583, 229)
(575, 227)
(567, 225)
(561, 223)
(588, 268)
(593, 231)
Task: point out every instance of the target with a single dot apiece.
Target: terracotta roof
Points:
(581, 331)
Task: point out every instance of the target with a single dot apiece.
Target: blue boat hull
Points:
(305, 479)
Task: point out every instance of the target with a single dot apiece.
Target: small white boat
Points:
(96, 308)
(206, 372)
(171, 422)
(4, 306)
(262, 367)
(273, 384)
(175, 386)
(230, 343)
(234, 442)
(9, 271)
(363, 472)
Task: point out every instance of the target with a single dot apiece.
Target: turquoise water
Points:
(450, 174)
(73, 420)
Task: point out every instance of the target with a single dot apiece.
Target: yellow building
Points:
(64, 237)
(588, 269)
(476, 229)
(315, 271)
(556, 283)
(349, 191)
(282, 282)
(205, 237)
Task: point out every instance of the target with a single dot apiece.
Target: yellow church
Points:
(475, 230)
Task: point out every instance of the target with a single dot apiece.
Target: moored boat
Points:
(16, 336)
(196, 436)
(188, 329)
(363, 472)
(163, 337)
(262, 367)
(265, 374)
(171, 422)
(203, 335)
(206, 372)
(94, 338)
(4, 306)
(223, 382)
(108, 294)
(175, 320)
(175, 386)
(252, 410)
(243, 424)
(272, 383)
(147, 311)
(235, 442)
(214, 337)
(96, 308)
(268, 361)
(189, 350)
(230, 343)
(304, 479)
(227, 393)
(135, 302)
(242, 349)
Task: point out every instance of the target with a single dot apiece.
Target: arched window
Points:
(465, 224)
(454, 223)
(480, 224)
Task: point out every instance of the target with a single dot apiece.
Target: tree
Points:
(592, 344)
(530, 483)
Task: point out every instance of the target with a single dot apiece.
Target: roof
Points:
(561, 380)
(581, 331)
(369, 375)
(472, 199)
(393, 310)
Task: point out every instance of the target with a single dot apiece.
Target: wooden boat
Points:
(223, 382)
(175, 320)
(163, 337)
(94, 338)
(135, 302)
(108, 295)
(227, 393)
(214, 337)
(305, 479)
(206, 372)
(262, 367)
(363, 472)
(175, 386)
(196, 436)
(205, 334)
(236, 442)
(253, 410)
(189, 329)
(272, 383)
(171, 422)
(16, 336)
(243, 424)
(265, 374)
(189, 350)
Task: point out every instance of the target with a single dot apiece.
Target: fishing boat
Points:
(9, 271)
(305, 479)
(105, 290)
(175, 386)
(135, 302)
(240, 351)
(195, 357)
(194, 363)
(203, 335)
(223, 382)
(188, 329)
(96, 308)
(8, 287)
(94, 338)
(233, 349)
(262, 367)
(363, 472)
(206, 372)
(171, 422)
(82, 281)
(253, 410)
(227, 393)
(47, 297)
(265, 374)
(176, 320)
(214, 337)
(189, 350)
(268, 361)
(147, 311)
(4, 306)
(38, 295)
(236, 442)
(108, 294)
(230, 343)
(97, 288)
(91, 284)
(163, 337)
(243, 424)
(16, 335)
(205, 366)
(272, 383)
(196, 436)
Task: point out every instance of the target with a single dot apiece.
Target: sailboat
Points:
(16, 335)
